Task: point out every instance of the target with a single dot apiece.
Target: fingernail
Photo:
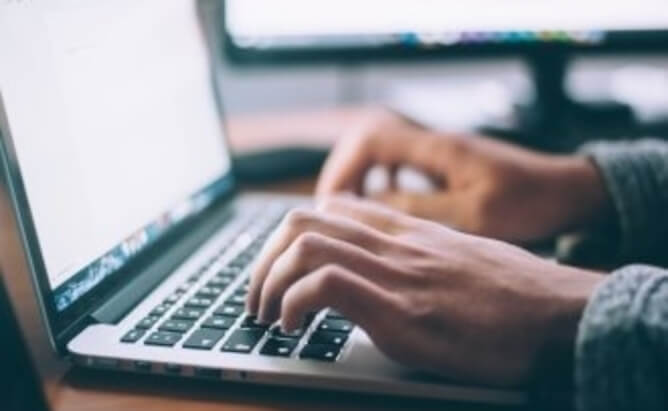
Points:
(286, 328)
(263, 317)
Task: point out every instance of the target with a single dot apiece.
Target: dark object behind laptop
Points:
(279, 164)
(20, 386)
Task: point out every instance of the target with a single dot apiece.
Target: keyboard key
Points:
(336, 325)
(229, 271)
(187, 314)
(243, 341)
(220, 323)
(132, 336)
(229, 310)
(161, 309)
(174, 297)
(204, 339)
(220, 281)
(328, 337)
(236, 300)
(334, 314)
(185, 287)
(322, 352)
(243, 289)
(239, 263)
(195, 277)
(196, 302)
(279, 347)
(177, 326)
(277, 332)
(250, 321)
(209, 292)
(147, 322)
(163, 338)
(308, 319)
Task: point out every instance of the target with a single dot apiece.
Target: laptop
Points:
(138, 243)
(21, 385)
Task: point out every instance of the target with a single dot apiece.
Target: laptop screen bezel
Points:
(62, 324)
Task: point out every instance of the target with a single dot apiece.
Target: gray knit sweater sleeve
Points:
(621, 359)
(621, 356)
(636, 176)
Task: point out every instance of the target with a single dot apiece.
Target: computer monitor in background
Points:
(545, 32)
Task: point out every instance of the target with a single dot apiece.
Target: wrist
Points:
(570, 291)
(572, 287)
(581, 192)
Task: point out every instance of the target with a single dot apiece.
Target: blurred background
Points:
(545, 75)
(435, 89)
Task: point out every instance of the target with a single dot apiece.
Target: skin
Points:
(484, 186)
(468, 307)
(429, 297)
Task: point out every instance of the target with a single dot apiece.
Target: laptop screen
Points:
(115, 127)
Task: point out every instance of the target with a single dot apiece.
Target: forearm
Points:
(620, 361)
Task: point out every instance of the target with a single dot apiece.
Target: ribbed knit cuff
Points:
(620, 355)
(636, 176)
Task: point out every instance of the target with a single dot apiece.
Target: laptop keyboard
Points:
(211, 314)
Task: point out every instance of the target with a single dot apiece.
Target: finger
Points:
(346, 166)
(371, 213)
(396, 144)
(393, 145)
(362, 301)
(432, 206)
(393, 173)
(301, 221)
(310, 252)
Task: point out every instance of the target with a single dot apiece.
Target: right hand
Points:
(485, 187)
(469, 308)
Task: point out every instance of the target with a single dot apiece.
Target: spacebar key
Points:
(243, 341)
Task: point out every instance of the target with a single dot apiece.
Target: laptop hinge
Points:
(130, 295)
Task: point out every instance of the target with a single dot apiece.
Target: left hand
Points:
(482, 185)
(469, 308)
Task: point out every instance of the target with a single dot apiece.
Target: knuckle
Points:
(367, 134)
(481, 214)
(290, 300)
(406, 204)
(423, 312)
(329, 277)
(307, 243)
(329, 204)
(459, 145)
(298, 218)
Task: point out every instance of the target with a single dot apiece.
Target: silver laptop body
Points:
(123, 189)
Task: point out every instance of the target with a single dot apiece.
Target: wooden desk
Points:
(72, 389)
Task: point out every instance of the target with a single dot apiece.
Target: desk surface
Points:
(78, 389)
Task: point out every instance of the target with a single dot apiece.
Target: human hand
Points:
(485, 187)
(466, 307)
